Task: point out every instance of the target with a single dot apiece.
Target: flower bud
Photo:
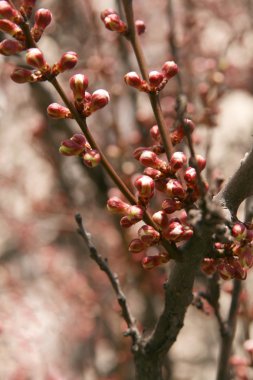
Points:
(57, 111)
(208, 266)
(27, 7)
(150, 262)
(67, 62)
(155, 133)
(148, 158)
(140, 27)
(189, 125)
(91, 158)
(74, 146)
(148, 234)
(190, 175)
(43, 18)
(145, 186)
(175, 189)
(35, 58)
(99, 99)
(200, 161)
(239, 231)
(153, 173)
(136, 246)
(161, 219)
(126, 222)
(155, 78)
(170, 69)
(114, 23)
(245, 256)
(78, 84)
(9, 13)
(10, 47)
(178, 160)
(133, 79)
(21, 75)
(11, 28)
(172, 205)
(117, 206)
(135, 213)
(106, 13)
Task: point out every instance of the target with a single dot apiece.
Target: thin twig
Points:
(114, 280)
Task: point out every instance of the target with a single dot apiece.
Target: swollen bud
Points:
(150, 262)
(155, 79)
(136, 246)
(11, 28)
(117, 206)
(73, 146)
(239, 231)
(114, 23)
(21, 75)
(35, 58)
(140, 27)
(67, 62)
(175, 189)
(170, 69)
(99, 99)
(145, 186)
(57, 111)
(10, 47)
(148, 234)
(43, 18)
(9, 13)
(78, 84)
(178, 160)
(91, 158)
(161, 219)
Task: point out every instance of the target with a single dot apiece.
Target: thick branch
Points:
(239, 187)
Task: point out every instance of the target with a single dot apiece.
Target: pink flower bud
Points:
(170, 69)
(10, 47)
(74, 146)
(148, 234)
(153, 173)
(133, 79)
(135, 213)
(126, 222)
(155, 133)
(27, 7)
(78, 84)
(190, 175)
(174, 232)
(67, 62)
(57, 111)
(117, 206)
(178, 160)
(161, 219)
(136, 246)
(11, 28)
(175, 189)
(9, 13)
(140, 27)
(43, 18)
(107, 12)
(201, 162)
(150, 262)
(114, 23)
(145, 186)
(35, 58)
(172, 205)
(91, 158)
(239, 231)
(99, 99)
(155, 78)
(21, 75)
(148, 158)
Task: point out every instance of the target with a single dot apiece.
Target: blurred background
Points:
(59, 319)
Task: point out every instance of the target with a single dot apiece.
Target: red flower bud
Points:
(208, 266)
(10, 47)
(149, 262)
(107, 12)
(135, 213)
(239, 231)
(91, 158)
(74, 146)
(35, 58)
(57, 111)
(245, 256)
(174, 232)
(148, 234)
(161, 219)
(133, 79)
(43, 18)
(67, 62)
(78, 84)
(99, 99)
(155, 78)
(188, 124)
(9, 13)
(114, 23)
(126, 222)
(155, 133)
(145, 186)
(21, 75)
(136, 246)
(170, 69)
(172, 205)
(27, 7)
(201, 162)
(153, 173)
(148, 158)
(175, 189)
(11, 28)
(117, 206)
(178, 160)
(140, 27)
(190, 175)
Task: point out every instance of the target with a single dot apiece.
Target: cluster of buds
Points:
(113, 22)
(156, 79)
(85, 103)
(233, 258)
(79, 146)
